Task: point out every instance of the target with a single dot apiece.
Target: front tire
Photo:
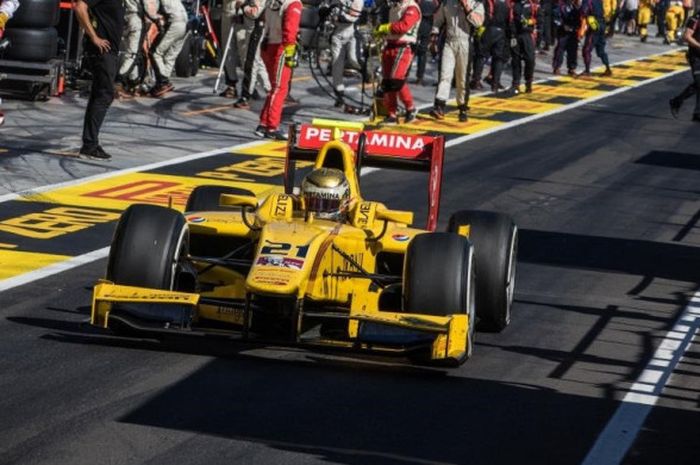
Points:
(495, 239)
(439, 278)
(148, 244)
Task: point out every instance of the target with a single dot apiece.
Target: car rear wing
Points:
(373, 148)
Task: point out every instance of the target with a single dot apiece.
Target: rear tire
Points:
(147, 246)
(35, 45)
(439, 278)
(495, 239)
(36, 14)
(185, 61)
(206, 198)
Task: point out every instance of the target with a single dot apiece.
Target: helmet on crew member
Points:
(326, 193)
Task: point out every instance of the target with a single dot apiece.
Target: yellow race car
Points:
(317, 267)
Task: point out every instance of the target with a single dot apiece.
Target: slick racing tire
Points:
(206, 198)
(37, 45)
(147, 246)
(36, 14)
(495, 239)
(439, 278)
(187, 62)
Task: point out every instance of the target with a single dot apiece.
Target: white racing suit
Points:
(171, 41)
(133, 34)
(251, 27)
(343, 45)
(455, 54)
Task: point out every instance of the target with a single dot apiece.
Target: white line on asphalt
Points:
(95, 255)
(619, 434)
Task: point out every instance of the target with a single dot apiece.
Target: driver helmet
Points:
(326, 193)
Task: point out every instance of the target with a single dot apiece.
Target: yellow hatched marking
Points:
(14, 263)
(514, 105)
(268, 149)
(158, 189)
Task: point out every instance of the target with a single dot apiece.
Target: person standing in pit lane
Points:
(102, 58)
(427, 11)
(248, 35)
(343, 43)
(136, 13)
(567, 19)
(7, 9)
(459, 18)
(522, 31)
(280, 55)
(544, 25)
(646, 8)
(692, 36)
(170, 42)
(593, 14)
(493, 43)
(401, 34)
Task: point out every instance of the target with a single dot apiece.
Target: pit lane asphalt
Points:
(606, 197)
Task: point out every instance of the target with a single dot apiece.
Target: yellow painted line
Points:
(268, 149)
(450, 125)
(14, 263)
(512, 105)
(302, 78)
(7, 246)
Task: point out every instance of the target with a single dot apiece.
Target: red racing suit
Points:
(404, 18)
(281, 26)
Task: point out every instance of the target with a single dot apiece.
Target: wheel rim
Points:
(471, 306)
(511, 275)
(182, 242)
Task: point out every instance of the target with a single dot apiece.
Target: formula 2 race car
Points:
(273, 271)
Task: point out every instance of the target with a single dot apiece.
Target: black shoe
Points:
(275, 135)
(411, 115)
(260, 131)
(515, 89)
(162, 88)
(463, 118)
(643, 39)
(675, 105)
(390, 120)
(241, 103)
(95, 153)
(528, 87)
(339, 101)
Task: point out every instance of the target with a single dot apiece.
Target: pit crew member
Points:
(170, 43)
(567, 19)
(692, 36)
(493, 42)
(279, 53)
(523, 27)
(459, 18)
(249, 34)
(593, 14)
(343, 44)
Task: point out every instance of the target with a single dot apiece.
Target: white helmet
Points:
(326, 193)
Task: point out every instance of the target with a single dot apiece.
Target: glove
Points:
(592, 23)
(290, 56)
(480, 31)
(382, 30)
(4, 17)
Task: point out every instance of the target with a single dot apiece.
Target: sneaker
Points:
(515, 89)
(437, 113)
(585, 74)
(390, 120)
(275, 134)
(572, 72)
(229, 92)
(528, 87)
(556, 71)
(411, 115)
(241, 103)
(161, 89)
(462, 116)
(96, 153)
(260, 131)
(607, 72)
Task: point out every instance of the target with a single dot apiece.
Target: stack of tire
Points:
(32, 31)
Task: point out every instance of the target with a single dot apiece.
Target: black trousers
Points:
(421, 53)
(525, 52)
(493, 44)
(693, 88)
(104, 71)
